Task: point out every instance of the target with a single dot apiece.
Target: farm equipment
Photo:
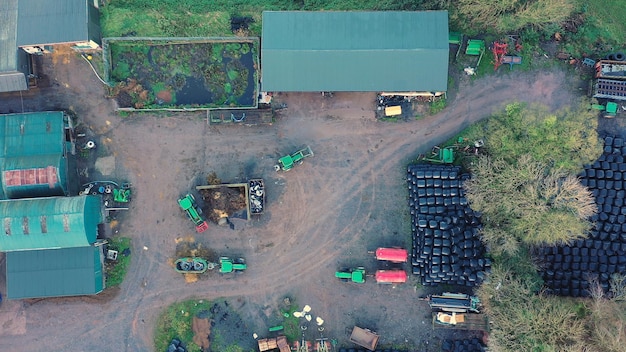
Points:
(192, 265)
(228, 265)
(441, 155)
(394, 255)
(356, 275)
(364, 338)
(512, 60)
(460, 321)
(115, 196)
(609, 110)
(287, 162)
(501, 48)
(475, 47)
(193, 211)
(454, 303)
(390, 276)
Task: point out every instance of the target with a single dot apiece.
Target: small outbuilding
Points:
(332, 51)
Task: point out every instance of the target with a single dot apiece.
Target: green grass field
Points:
(195, 18)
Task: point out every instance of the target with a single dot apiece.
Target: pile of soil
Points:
(201, 332)
(223, 202)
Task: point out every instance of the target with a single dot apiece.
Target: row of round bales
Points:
(466, 345)
(446, 246)
(569, 268)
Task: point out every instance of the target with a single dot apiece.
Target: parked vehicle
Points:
(460, 321)
(454, 302)
(287, 162)
(441, 155)
(390, 276)
(228, 265)
(188, 204)
(608, 111)
(364, 338)
(193, 265)
(394, 255)
(356, 275)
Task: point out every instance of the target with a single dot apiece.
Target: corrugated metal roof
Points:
(31, 142)
(12, 81)
(8, 36)
(354, 51)
(54, 273)
(46, 22)
(27, 134)
(49, 223)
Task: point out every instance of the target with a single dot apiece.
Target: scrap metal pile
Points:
(257, 196)
(446, 247)
(568, 269)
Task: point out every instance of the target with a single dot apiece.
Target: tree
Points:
(512, 15)
(565, 139)
(524, 320)
(527, 203)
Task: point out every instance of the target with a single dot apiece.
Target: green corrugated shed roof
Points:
(33, 141)
(54, 272)
(49, 223)
(59, 21)
(35, 133)
(354, 51)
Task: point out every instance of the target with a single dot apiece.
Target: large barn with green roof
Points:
(51, 246)
(382, 51)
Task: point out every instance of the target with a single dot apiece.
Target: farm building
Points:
(28, 26)
(35, 153)
(51, 246)
(354, 51)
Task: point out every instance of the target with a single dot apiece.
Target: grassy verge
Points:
(212, 18)
(117, 271)
(176, 320)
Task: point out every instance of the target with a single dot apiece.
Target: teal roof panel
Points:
(354, 51)
(36, 133)
(55, 272)
(49, 223)
(48, 22)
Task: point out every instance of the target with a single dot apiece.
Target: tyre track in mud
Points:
(318, 225)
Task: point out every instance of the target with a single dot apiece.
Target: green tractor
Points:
(188, 204)
(441, 155)
(287, 162)
(228, 265)
(356, 275)
(608, 111)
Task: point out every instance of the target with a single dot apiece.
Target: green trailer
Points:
(475, 47)
(356, 275)
(442, 155)
(228, 265)
(287, 162)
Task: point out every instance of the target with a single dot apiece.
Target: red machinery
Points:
(499, 49)
(390, 276)
(394, 255)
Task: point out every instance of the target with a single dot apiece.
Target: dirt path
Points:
(322, 215)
